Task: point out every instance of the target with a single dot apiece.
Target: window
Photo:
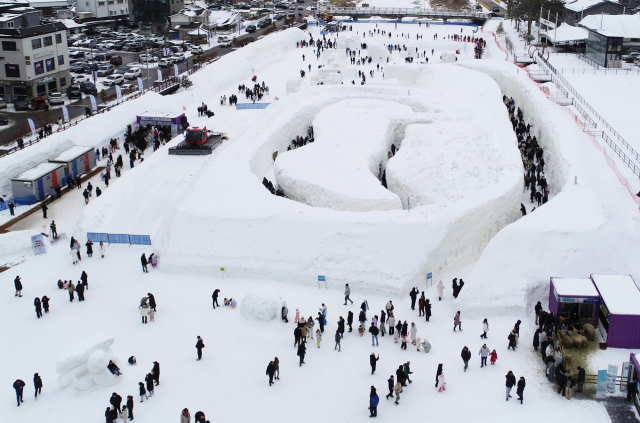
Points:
(35, 44)
(48, 41)
(10, 25)
(63, 82)
(12, 71)
(60, 60)
(111, 2)
(38, 67)
(9, 46)
(120, 1)
(101, 3)
(58, 38)
(50, 64)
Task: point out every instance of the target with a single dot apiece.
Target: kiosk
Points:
(76, 161)
(174, 120)
(37, 181)
(619, 310)
(570, 295)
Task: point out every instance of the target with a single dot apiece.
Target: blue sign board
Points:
(429, 275)
(321, 278)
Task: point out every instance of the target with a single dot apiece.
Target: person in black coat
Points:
(512, 339)
(108, 415)
(511, 381)
(80, 291)
(144, 262)
(199, 417)
(152, 301)
(538, 309)
(130, 406)
(466, 356)
(85, 279)
(45, 303)
(89, 245)
(454, 286)
(516, 327)
(44, 209)
(302, 350)
(18, 284)
(438, 373)
(320, 320)
(581, 378)
(536, 340)
(391, 383)
(373, 360)
(18, 385)
(350, 321)
(215, 298)
(199, 347)
(155, 372)
(271, 370)
(400, 376)
(150, 386)
(38, 306)
(405, 329)
(341, 326)
(413, 294)
(116, 400)
(37, 384)
(427, 309)
(297, 336)
(520, 389)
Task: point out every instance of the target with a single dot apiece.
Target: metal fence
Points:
(119, 238)
(248, 106)
(397, 11)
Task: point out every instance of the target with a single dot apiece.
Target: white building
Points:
(104, 8)
(34, 61)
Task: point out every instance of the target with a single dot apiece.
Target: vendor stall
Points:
(174, 120)
(619, 310)
(569, 295)
(76, 161)
(37, 181)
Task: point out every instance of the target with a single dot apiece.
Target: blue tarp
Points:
(119, 238)
(247, 106)
(19, 201)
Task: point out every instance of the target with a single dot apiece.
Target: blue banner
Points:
(321, 278)
(119, 238)
(601, 387)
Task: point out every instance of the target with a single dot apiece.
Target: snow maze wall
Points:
(458, 167)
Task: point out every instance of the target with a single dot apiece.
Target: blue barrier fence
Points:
(119, 238)
(19, 201)
(247, 106)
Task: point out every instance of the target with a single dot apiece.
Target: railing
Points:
(404, 11)
(585, 71)
(585, 59)
(585, 115)
(618, 150)
(588, 106)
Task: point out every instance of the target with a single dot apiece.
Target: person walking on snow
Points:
(18, 385)
(364, 307)
(373, 330)
(483, 353)
(520, 389)
(318, 337)
(413, 294)
(494, 357)
(18, 284)
(142, 391)
(350, 320)
(45, 303)
(199, 347)
(144, 262)
(512, 339)
(297, 316)
(310, 325)
(511, 381)
(443, 383)
(37, 384)
(457, 322)
(320, 320)
(324, 314)
(337, 338)
(271, 370)
(373, 402)
(302, 350)
(485, 328)
(155, 372)
(347, 293)
(215, 298)
(71, 288)
(466, 356)
(438, 373)
(421, 303)
(414, 333)
(391, 383)
(38, 306)
(427, 309)
(102, 248)
(440, 288)
(397, 388)
(373, 360)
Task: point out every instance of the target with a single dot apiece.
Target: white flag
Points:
(119, 92)
(32, 126)
(140, 84)
(94, 105)
(65, 113)
(176, 71)
(159, 75)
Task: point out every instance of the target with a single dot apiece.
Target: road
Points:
(489, 4)
(76, 108)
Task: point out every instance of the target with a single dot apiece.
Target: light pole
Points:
(148, 84)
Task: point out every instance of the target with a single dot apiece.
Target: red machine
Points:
(196, 136)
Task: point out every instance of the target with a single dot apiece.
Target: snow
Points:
(574, 287)
(37, 172)
(262, 305)
(71, 154)
(565, 33)
(208, 212)
(85, 366)
(619, 292)
(15, 246)
(626, 26)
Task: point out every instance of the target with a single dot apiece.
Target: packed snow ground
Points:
(197, 209)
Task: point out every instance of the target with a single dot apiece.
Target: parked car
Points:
(106, 70)
(3, 105)
(127, 88)
(132, 73)
(21, 105)
(631, 57)
(496, 10)
(147, 58)
(87, 87)
(112, 80)
(55, 98)
(164, 62)
(76, 79)
(178, 57)
(224, 42)
(4, 121)
(38, 103)
(74, 91)
(119, 45)
(197, 50)
(115, 60)
(76, 54)
(121, 71)
(78, 67)
(250, 28)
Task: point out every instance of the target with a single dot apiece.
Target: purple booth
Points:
(619, 310)
(572, 295)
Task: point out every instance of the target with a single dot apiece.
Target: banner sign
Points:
(38, 244)
(65, 113)
(119, 92)
(159, 75)
(176, 71)
(32, 126)
(140, 84)
(601, 387)
(612, 374)
(94, 105)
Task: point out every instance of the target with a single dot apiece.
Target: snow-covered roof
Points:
(619, 292)
(48, 3)
(70, 23)
(626, 26)
(71, 154)
(572, 287)
(579, 5)
(8, 16)
(200, 31)
(566, 33)
(160, 115)
(37, 172)
(222, 17)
